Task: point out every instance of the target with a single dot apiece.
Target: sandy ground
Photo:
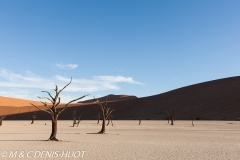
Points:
(125, 140)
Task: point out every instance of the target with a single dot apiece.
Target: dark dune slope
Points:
(213, 100)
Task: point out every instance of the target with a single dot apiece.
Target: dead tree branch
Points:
(110, 119)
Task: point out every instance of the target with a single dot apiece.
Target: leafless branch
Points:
(49, 95)
(71, 102)
(45, 104)
(59, 99)
(65, 86)
(100, 104)
(41, 109)
(109, 113)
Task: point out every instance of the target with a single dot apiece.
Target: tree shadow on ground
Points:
(33, 141)
(103, 133)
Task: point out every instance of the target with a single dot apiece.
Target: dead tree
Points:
(139, 118)
(110, 119)
(79, 119)
(171, 115)
(106, 112)
(99, 116)
(52, 109)
(34, 116)
(74, 117)
(1, 119)
(168, 119)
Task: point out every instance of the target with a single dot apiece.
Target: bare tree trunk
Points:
(74, 121)
(54, 128)
(139, 118)
(79, 119)
(111, 122)
(108, 121)
(167, 120)
(74, 117)
(34, 116)
(103, 126)
(98, 118)
(1, 119)
(111, 119)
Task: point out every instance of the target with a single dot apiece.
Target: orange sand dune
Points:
(16, 102)
(10, 106)
(15, 105)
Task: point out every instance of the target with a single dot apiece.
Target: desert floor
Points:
(125, 140)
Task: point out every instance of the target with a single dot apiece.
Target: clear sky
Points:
(134, 47)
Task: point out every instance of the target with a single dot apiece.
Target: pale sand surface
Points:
(127, 140)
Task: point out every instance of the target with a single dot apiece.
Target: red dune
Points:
(16, 102)
(15, 105)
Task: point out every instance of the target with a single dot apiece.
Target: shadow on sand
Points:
(95, 133)
(38, 133)
(103, 133)
(33, 141)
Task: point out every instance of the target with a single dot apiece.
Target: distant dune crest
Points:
(16, 102)
(111, 97)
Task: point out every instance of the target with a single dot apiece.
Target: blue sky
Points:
(133, 47)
